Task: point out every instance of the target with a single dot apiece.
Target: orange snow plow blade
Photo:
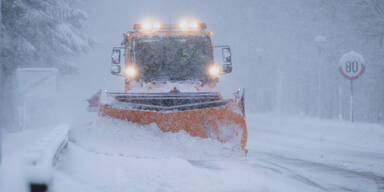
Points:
(221, 120)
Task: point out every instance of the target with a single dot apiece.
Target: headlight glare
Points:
(214, 70)
(130, 71)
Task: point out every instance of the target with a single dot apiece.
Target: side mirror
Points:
(227, 55)
(227, 68)
(116, 56)
(227, 59)
(115, 69)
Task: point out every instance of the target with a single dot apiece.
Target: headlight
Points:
(191, 25)
(183, 25)
(147, 26)
(214, 71)
(194, 25)
(157, 26)
(131, 72)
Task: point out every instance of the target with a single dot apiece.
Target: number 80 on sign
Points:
(351, 66)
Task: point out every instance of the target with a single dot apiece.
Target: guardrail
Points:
(43, 156)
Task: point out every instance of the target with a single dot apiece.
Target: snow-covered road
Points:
(285, 154)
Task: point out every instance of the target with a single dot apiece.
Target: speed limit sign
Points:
(352, 65)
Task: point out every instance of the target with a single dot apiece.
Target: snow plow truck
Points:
(170, 77)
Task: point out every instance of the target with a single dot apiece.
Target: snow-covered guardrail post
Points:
(42, 157)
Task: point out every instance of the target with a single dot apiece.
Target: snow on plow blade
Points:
(202, 114)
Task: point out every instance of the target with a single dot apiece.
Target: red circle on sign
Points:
(353, 77)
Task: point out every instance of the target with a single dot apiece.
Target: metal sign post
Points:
(351, 102)
(1, 146)
(351, 67)
(340, 110)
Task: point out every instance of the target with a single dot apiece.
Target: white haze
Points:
(285, 54)
(275, 55)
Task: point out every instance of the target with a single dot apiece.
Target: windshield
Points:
(172, 58)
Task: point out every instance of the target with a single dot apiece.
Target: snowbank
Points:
(30, 156)
(42, 156)
(113, 137)
(114, 173)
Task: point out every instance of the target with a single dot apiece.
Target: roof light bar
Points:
(182, 26)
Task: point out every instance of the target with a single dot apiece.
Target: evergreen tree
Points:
(43, 33)
(37, 33)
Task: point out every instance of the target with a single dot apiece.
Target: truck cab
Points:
(156, 55)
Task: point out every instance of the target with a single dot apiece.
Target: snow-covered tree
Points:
(37, 33)
(43, 32)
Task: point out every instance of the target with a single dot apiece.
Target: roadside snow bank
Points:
(32, 161)
(12, 173)
(42, 156)
(12, 176)
(121, 138)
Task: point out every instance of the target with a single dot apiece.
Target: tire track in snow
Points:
(301, 170)
(278, 161)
